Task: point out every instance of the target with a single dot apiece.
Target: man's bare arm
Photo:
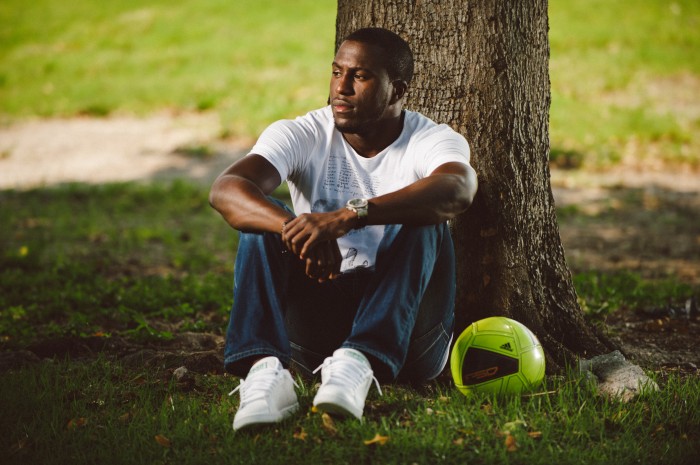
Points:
(240, 193)
(447, 192)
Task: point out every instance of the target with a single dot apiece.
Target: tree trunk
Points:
(482, 67)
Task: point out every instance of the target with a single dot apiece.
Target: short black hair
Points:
(397, 53)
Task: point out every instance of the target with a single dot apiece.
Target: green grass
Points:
(604, 293)
(625, 75)
(102, 412)
(80, 260)
(253, 61)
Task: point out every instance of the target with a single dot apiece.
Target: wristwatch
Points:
(361, 208)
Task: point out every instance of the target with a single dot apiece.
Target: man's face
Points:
(361, 91)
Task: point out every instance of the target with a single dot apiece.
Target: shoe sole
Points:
(264, 419)
(332, 407)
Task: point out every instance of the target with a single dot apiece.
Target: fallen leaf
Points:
(300, 434)
(535, 434)
(74, 423)
(328, 424)
(124, 418)
(511, 444)
(377, 439)
(162, 440)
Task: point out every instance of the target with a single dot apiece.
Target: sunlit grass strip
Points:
(253, 61)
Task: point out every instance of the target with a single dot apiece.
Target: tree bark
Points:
(483, 68)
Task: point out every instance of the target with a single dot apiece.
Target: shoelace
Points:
(348, 373)
(257, 386)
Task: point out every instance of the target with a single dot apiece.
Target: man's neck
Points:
(369, 143)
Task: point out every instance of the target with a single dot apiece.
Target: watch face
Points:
(357, 203)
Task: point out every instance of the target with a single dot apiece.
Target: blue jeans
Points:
(400, 313)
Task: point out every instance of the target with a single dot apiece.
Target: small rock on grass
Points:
(616, 377)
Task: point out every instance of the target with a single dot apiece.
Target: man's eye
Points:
(336, 73)
(360, 77)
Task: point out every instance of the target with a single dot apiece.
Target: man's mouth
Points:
(341, 106)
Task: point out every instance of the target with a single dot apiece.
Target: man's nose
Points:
(344, 84)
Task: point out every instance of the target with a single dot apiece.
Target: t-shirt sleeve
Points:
(443, 145)
(285, 144)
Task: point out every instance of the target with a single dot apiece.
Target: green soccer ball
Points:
(497, 355)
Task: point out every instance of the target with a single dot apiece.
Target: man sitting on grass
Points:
(359, 280)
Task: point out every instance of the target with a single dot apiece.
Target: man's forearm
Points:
(244, 206)
(431, 200)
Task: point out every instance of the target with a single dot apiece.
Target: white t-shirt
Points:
(323, 171)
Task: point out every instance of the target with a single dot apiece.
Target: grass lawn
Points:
(625, 80)
(102, 412)
(253, 61)
(146, 263)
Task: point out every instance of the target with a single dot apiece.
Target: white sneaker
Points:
(267, 395)
(345, 381)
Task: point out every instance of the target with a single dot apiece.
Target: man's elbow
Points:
(467, 190)
(214, 196)
(219, 196)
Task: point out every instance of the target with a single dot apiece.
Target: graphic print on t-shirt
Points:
(350, 258)
(342, 178)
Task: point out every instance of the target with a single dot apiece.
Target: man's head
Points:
(371, 72)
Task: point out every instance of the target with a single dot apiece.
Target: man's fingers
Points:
(322, 262)
(310, 268)
(308, 244)
(297, 235)
(307, 230)
(295, 241)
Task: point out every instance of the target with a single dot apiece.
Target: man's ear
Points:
(400, 89)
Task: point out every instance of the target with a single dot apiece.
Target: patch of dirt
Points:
(640, 221)
(659, 339)
(39, 153)
(198, 352)
(644, 222)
